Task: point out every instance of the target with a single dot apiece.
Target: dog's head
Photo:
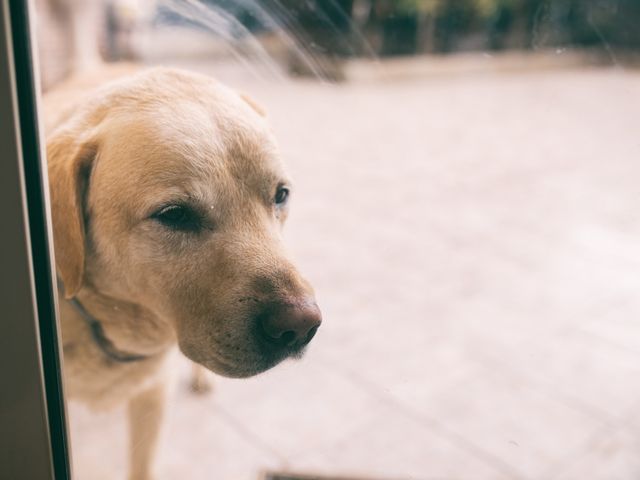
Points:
(168, 192)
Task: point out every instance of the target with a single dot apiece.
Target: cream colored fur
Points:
(116, 156)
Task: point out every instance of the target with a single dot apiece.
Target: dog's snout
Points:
(291, 325)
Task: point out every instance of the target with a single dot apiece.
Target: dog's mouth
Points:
(250, 365)
(247, 359)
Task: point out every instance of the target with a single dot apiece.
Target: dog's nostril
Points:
(288, 338)
(311, 334)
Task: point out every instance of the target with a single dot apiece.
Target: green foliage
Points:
(523, 23)
(478, 7)
(419, 6)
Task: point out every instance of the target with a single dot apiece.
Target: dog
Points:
(168, 196)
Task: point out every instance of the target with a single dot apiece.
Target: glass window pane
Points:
(459, 184)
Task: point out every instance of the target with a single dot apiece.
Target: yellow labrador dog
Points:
(168, 198)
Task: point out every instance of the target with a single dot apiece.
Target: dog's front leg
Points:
(146, 411)
(201, 381)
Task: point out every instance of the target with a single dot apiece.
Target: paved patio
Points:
(475, 245)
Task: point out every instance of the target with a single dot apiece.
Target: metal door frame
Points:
(33, 427)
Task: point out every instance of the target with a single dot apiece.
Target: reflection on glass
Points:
(464, 202)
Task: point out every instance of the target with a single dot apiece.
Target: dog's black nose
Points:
(291, 325)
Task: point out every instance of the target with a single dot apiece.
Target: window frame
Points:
(33, 417)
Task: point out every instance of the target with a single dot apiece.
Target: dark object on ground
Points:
(293, 476)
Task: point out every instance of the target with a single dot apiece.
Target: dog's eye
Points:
(178, 217)
(282, 194)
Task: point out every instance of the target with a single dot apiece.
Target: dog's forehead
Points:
(192, 145)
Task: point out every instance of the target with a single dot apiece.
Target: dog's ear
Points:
(70, 163)
(254, 105)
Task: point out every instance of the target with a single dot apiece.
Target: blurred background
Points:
(317, 34)
(467, 206)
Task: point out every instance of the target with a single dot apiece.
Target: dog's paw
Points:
(138, 476)
(201, 385)
(201, 381)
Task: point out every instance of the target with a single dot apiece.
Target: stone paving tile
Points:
(411, 362)
(296, 406)
(580, 369)
(611, 455)
(617, 326)
(98, 443)
(505, 417)
(632, 418)
(393, 446)
(201, 443)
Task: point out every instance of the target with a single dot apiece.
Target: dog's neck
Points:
(123, 330)
(101, 340)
